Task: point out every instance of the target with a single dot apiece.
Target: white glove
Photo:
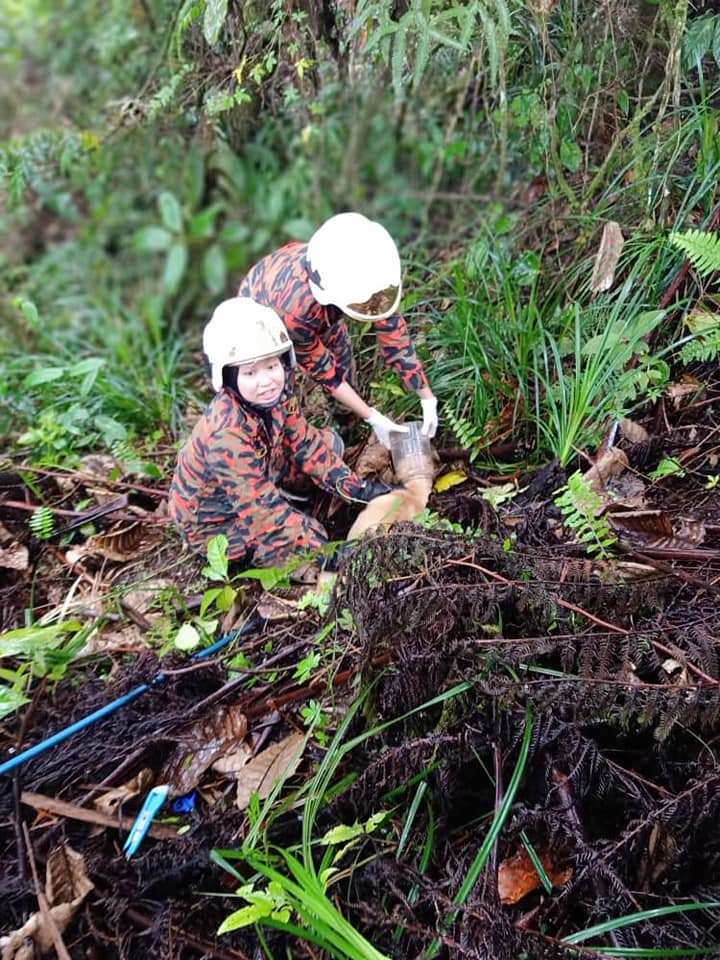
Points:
(383, 427)
(430, 417)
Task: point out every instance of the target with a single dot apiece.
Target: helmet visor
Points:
(381, 304)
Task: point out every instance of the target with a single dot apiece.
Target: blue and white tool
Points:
(153, 803)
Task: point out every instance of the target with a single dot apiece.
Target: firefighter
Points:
(252, 447)
(349, 268)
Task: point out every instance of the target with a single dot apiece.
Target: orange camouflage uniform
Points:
(229, 472)
(319, 333)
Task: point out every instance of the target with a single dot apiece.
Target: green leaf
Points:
(202, 224)
(611, 925)
(187, 637)
(175, 266)
(217, 568)
(10, 700)
(44, 375)
(342, 834)
(149, 239)
(26, 641)
(214, 270)
(701, 248)
(30, 312)
(170, 211)
(111, 430)
(570, 155)
(215, 14)
(246, 916)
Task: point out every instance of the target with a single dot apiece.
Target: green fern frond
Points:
(580, 507)
(702, 249)
(123, 451)
(702, 349)
(42, 523)
(469, 434)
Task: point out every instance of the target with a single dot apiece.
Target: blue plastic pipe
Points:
(109, 708)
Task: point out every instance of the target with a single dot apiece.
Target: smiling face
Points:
(262, 381)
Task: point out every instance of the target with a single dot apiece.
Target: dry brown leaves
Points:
(202, 745)
(517, 876)
(66, 886)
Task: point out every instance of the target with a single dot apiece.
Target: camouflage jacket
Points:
(280, 281)
(227, 476)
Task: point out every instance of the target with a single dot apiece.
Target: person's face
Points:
(261, 381)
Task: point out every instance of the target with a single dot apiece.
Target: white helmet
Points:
(240, 331)
(353, 263)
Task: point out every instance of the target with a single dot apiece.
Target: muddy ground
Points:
(609, 668)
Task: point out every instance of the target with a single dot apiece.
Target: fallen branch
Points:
(45, 910)
(62, 808)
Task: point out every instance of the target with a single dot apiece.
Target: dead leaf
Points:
(276, 608)
(517, 876)
(121, 543)
(704, 316)
(15, 557)
(676, 672)
(235, 761)
(682, 391)
(201, 745)
(610, 464)
(141, 598)
(112, 638)
(650, 523)
(6, 538)
(692, 531)
(261, 774)
(111, 799)
(66, 884)
(607, 257)
(66, 878)
(633, 432)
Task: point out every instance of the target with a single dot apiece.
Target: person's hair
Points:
(230, 371)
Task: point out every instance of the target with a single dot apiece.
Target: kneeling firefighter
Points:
(253, 446)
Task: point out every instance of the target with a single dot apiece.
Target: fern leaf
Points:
(701, 248)
(42, 523)
(502, 18)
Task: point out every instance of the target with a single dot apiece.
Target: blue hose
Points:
(109, 708)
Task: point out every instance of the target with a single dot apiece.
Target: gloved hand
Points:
(430, 417)
(383, 427)
(372, 489)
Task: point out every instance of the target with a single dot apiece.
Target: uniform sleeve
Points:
(312, 354)
(315, 458)
(398, 351)
(280, 281)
